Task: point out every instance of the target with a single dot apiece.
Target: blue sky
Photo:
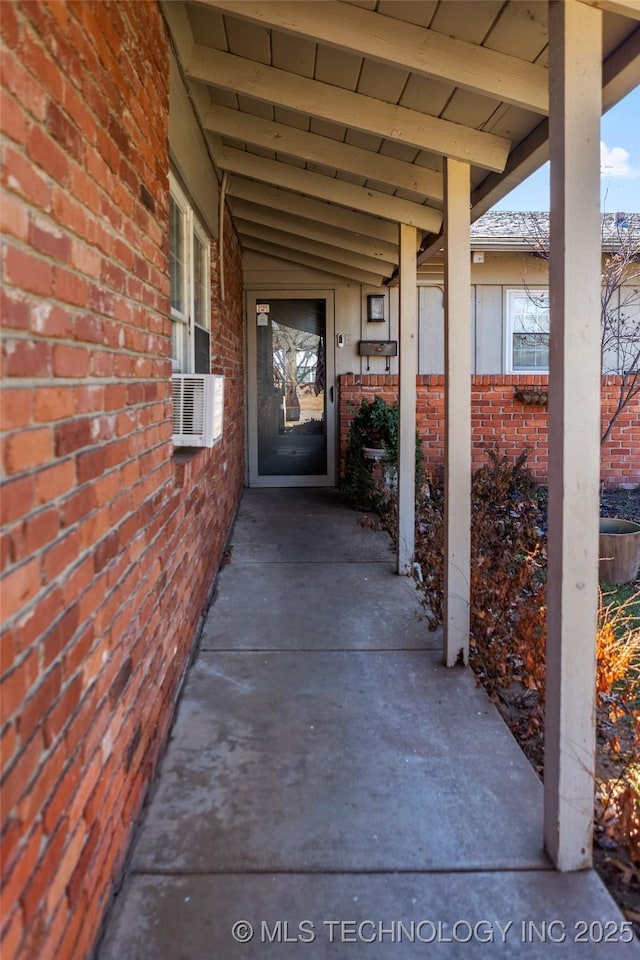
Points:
(620, 165)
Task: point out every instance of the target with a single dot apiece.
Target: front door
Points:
(291, 401)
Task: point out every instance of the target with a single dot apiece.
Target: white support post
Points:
(575, 36)
(457, 412)
(408, 366)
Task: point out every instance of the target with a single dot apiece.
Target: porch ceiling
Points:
(332, 119)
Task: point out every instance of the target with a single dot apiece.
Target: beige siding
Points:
(489, 327)
(490, 281)
(499, 267)
(431, 330)
(500, 271)
(351, 306)
(510, 269)
(265, 272)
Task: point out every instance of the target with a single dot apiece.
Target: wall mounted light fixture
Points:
(375, 307)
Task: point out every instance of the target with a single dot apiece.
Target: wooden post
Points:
(575, 36)
(457, 350)
(408, 367)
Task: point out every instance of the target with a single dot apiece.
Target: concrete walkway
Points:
(329, 788)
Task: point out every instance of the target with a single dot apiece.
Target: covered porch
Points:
(359, 139)
(328, 781)
(170, 169)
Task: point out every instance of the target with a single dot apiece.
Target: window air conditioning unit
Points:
(198, 407)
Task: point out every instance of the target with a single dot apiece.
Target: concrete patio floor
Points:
(329, 788)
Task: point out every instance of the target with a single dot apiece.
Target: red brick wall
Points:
(499, 419)
(110, 543)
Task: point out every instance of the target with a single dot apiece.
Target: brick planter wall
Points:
(110, 542)
(499, 419)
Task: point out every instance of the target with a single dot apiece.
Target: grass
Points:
(628, 595)
(617, 810)
(620, 607)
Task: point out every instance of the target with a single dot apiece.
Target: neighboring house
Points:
(189, 193)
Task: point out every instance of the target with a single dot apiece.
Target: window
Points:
(189, 275)
(527, 331)
(307, 363)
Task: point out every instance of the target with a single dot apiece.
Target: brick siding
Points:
(499, 420)
(110, 543)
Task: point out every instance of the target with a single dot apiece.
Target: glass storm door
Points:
(292, 429)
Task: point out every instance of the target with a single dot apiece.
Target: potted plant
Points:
(373, 438)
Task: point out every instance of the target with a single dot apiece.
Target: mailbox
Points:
(378, 348)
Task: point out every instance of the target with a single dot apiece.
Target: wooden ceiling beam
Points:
(327, 188)
(328, 102)
(328, 251)
(385, 253)
(417, 49)
(624, 8)
(292, 255)
(316, 149)
(357, 223)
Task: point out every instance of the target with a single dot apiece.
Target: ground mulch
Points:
(624, 504)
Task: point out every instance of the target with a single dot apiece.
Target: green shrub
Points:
(375, 424)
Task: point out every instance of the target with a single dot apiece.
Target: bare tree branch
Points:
(619, 304)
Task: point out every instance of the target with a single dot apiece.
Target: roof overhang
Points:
(331, 120)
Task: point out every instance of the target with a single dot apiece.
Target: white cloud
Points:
(614, 162)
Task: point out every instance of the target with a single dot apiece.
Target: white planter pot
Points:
(375, 453)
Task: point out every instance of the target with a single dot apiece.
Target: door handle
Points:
(331, 394)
